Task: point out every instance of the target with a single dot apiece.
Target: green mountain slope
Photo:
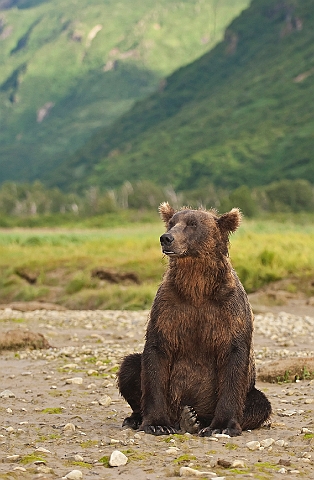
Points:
(69, 68)
(241, 114)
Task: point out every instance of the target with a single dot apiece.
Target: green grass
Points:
(62, 260)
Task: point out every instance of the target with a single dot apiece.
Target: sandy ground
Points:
(63, 412)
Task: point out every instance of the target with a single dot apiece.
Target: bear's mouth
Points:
(168, 252)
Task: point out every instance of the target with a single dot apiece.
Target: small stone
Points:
(267, 442)
(19, 469)
(74, 475)
(221, 435)
(306, 430)
(137, 436)
(92, 372)
(280, 443)
(7, 394)
(191, 472)
(284, 462)
(13, 458)
(254, 445)
(75, 380)
(10, 429)
(224, 463)
(172, 450)
(69, 427)
(9, 410)
(117, 459)
(238, 464)
(105, 401)
(287, 413)
(282, 470)
(43, 450)
(294, 472)
(25, 374)
(44, 469)
(78, 458)
(309, 401)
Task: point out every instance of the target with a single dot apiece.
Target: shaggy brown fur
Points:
(197, 370)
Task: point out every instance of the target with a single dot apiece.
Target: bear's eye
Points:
(191, 223)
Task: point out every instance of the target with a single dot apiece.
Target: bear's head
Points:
(197, 233)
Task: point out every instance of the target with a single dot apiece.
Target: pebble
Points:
(7, 394)
(9, 410)
(43, 450)
(73, 475)
(75, 380)
(69, 427)
(191, 472)
(13, 458)
(267, 442)
(238, 464)
(117, 459)
(19, 469)
(172, 450)
(105, 401)
(253, 445)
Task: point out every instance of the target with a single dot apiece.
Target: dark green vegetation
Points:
(33, 205)
(69, 68)
(240, 115)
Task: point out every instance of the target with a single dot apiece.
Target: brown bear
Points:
(197, 370)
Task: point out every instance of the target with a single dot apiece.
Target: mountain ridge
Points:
(238, 115)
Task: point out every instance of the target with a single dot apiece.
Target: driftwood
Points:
(115, 277)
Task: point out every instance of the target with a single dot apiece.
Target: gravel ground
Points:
(61, 414)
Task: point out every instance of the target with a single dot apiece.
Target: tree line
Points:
(33, 199)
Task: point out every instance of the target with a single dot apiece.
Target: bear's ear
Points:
(166, 212)
(230, 221)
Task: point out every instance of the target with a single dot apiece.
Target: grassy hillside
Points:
(69, 68)
(241, 114)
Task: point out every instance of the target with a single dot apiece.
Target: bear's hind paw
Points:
(188, 420)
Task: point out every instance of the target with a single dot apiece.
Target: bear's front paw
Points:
(134, 421)
(233, 430)
(158, 429)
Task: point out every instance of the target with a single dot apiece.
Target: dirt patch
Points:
(63, 411)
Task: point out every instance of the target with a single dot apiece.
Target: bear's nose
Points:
(166, 239)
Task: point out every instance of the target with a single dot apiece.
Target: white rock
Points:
(282, 470)
(70, 427)
(19, 469)
(280, 443)
(267, 442)
(191, 472)
(221, 435)
(10, 429)
(78, 458)
(105, 401)
(306, 430)
(74, 475)
(9, 410)
(117, 459)
(254, 445)
(238, 464)
(7, 394)
(13, 458)
(43, 450)
(172, 450)
(75, 380)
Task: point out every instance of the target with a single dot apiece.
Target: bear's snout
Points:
(166, 239)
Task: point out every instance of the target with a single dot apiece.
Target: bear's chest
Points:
(186, 330)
